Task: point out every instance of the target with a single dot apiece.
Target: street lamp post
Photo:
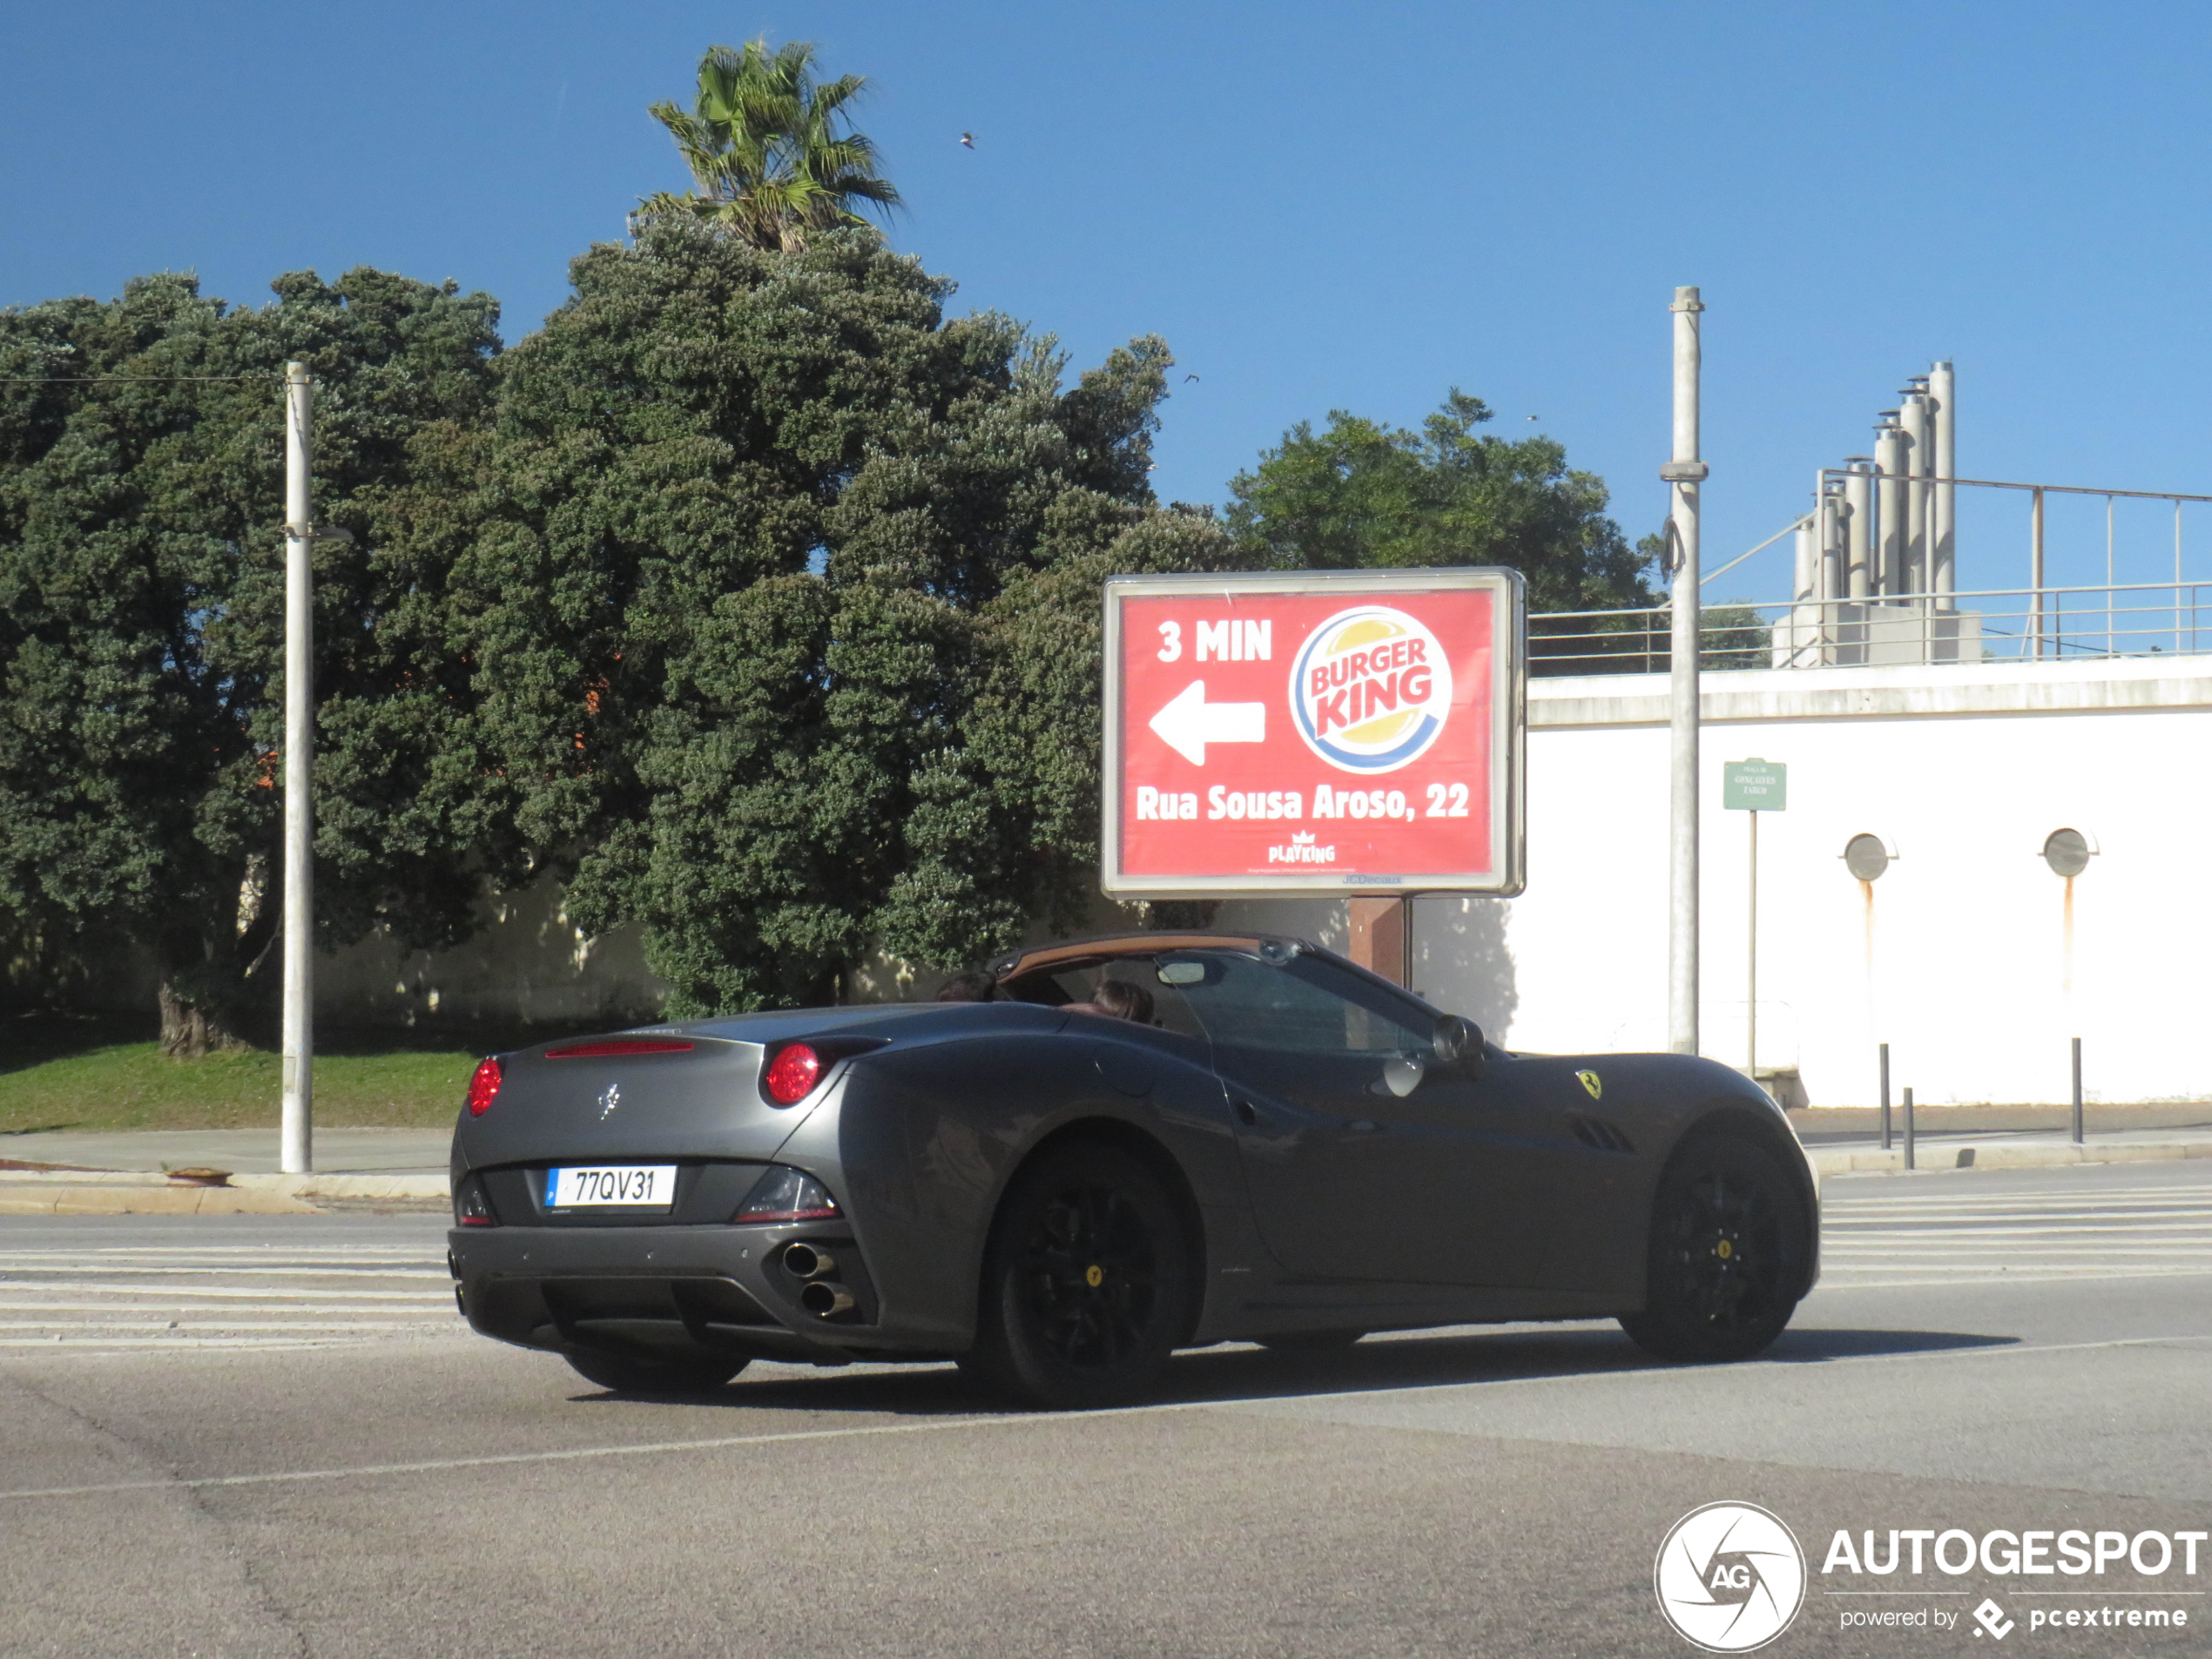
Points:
(1684, 473)
(298, 1145)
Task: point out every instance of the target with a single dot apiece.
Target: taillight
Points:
(484, 1088)
(470, 1207)
(784, 1194)
(792, 1074)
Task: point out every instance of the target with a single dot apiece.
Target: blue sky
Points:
(1319, 206)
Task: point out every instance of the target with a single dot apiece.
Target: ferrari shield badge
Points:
(1590, 1081)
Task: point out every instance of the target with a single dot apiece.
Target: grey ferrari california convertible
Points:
(1139, 1143)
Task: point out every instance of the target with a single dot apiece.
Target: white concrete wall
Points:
(1958, 958)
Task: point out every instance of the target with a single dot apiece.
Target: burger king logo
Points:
(1370, 690)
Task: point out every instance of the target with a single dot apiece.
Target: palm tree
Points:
(770, 148)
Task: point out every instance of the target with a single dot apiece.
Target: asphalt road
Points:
(270, 1436)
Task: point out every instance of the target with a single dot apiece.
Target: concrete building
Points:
(1967, 956)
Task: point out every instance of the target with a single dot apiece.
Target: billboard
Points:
(1313, 732)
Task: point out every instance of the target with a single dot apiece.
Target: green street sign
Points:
(1755, 785)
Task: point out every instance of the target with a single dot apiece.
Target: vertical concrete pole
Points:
(1684, 473)
(1890, 510)
(297, 1152)
(1943, 528)
(1859, 528)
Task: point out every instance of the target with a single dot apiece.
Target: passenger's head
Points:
(976, 985)
(1123, 1001)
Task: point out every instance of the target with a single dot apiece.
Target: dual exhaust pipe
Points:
(820, 1295)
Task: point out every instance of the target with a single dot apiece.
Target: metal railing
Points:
(1992, 625)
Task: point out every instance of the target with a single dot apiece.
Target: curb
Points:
(411, 1184)
(151, 1192)
(86, 1199)
(2011, 1154)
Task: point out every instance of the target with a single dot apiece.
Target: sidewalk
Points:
(1847, 1140)
(124, 1173)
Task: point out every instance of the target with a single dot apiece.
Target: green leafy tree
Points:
(1364, 492)
(771, 151)
(788, 612)
(141, 626)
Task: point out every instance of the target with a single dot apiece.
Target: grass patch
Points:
(80, 1079)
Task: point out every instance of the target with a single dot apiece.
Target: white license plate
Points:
(598, 1186)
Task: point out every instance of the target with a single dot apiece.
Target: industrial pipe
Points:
(1859, 528)
(1913, 417)
(1943, 527)
(1888, 509)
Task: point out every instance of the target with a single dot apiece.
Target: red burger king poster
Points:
(1313, 732)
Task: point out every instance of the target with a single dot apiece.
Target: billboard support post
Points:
(1684, 473)
(1380, 938)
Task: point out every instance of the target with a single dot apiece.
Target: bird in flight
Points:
(1188, 378)
(968, 139)
(1535, 417)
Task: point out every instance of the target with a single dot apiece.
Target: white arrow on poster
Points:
(1189, 723)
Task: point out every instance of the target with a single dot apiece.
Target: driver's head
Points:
(1123, 1001)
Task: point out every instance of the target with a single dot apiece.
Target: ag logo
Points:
(1370, 690)
(609, 1101)
(1730, 1577)
(1592, 1082)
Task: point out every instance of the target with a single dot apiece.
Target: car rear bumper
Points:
(668, 1290)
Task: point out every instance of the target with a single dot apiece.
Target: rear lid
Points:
(660, 1092)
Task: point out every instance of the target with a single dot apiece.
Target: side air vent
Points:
(1598, 1135)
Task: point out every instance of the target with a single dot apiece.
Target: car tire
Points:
(1311, 1341)
(1726, 1262)
(1086, 1281)
(635, 1374)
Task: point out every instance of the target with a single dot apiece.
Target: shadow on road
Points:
(1428, 1360)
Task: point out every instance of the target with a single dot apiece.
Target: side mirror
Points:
(1459, 1042)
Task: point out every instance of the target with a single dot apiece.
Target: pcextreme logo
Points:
(1730, 1577)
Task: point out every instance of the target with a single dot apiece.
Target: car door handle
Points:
(1244, 1112)
(1362, 1126)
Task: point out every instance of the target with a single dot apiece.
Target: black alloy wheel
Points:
(1728, 1236)
(636, 1374)
(1086, 1283)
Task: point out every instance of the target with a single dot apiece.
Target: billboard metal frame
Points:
(1509, 735)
